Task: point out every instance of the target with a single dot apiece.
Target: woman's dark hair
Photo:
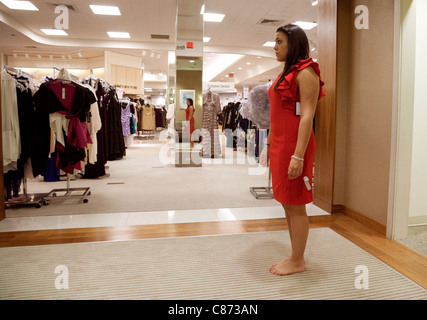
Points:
(191, 101)
(298, 48)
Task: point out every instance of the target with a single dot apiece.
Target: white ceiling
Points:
(239, 32)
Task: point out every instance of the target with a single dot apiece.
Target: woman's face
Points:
(281, 47)
(188, 102)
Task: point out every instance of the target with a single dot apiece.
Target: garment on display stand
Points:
(65, 105)
(211, 146)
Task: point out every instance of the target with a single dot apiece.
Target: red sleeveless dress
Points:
(187, 115)
(284, 136)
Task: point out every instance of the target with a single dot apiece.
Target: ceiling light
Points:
(269, 44)
(306, 25)
(121, 35)
(206, 39)
(54, 32)
(19, 5)
(213, 17)
(106, 10)
(314, 2)
(248, 63)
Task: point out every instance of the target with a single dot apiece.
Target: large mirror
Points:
(189, 82)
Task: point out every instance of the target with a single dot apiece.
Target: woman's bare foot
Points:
(287, 267)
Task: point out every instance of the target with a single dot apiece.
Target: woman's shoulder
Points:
(305, 64)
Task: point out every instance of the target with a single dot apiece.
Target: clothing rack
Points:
(68, 192)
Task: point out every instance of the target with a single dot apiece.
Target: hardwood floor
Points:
(406, 261)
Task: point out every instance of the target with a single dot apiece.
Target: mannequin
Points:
(211, 108)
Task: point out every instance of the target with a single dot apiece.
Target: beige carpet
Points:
(142, 183)
(216, 267)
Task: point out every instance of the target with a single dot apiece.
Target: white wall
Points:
(418, 198)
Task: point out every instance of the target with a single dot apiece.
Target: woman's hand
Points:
(263, 158)
(295, 169)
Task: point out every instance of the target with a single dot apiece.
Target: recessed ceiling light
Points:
(213, 17)
(106, 10)
(206, 39)
(54, 32)
(121, 35)
(19, 5)
(269, 44)
(306, 25)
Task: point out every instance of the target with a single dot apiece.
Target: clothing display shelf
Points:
(68, 192)
(35, 199)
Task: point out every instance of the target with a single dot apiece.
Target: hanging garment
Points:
(94, 124)
(148, 118)
(98, 168)
(11, 136)
(211, 108)
(125, 118)
(115, 142)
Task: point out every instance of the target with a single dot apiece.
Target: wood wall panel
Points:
(326, 112)
(2, 205)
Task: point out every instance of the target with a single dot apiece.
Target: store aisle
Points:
(142, 182)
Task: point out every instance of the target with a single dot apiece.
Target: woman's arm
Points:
(309, 86)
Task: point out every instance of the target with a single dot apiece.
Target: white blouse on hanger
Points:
(10, 123)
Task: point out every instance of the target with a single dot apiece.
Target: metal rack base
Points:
(262, 192)
(30, 200)
(69, 193)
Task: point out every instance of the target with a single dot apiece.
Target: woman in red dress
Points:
(291, 144)
(189, 113)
